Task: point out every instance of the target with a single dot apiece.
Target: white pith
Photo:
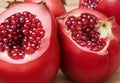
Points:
(34, 9)
(105, 32)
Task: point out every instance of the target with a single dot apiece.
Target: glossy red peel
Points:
(40, 66)
(85, 65)
(56, 6)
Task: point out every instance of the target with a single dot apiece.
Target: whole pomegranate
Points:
(90, 50)
(108, 7)
(56, 6)
(29, 50)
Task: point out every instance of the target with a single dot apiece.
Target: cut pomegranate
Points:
(28, 45)
(87, 39)
(18, 34)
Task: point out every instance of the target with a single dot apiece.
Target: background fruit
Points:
(108, 7)
(56, 6)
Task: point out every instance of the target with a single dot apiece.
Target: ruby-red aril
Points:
(56, 6)
(89, 41)
(108, 7)
(29, 50)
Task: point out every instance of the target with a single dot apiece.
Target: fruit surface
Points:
(89, 43)
(56, 6)
(108, 7)
(29, 50)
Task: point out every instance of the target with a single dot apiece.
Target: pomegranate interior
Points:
(85, 31)
(21, 34)
(90, 3)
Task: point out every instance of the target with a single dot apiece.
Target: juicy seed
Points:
(20, 34)
(90, 3)
(84, 31)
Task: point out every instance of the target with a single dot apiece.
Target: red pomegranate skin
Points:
(111, 8)
(40, 70)
(55, 6)
(82, 66)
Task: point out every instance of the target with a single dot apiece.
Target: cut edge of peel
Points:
(108, 35)
(102, 52)
(68, 33)
(45, 40)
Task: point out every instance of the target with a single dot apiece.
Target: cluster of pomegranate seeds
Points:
(84, 31)
(21, 34)
(90, 3)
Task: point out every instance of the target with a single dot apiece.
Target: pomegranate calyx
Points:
(106, 28)
(64, 2)
(44, 3)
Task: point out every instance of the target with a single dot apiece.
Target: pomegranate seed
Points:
(68, 23)
(29, 50)
(6, 48)
(2, 26)
(25, 14)
(14, 56)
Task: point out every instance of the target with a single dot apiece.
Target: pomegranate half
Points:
(29, 50)
(56, 6)
(89, 41)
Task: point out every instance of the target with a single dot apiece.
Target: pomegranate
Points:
(56, 6)
(108, 7)
(90, 50)
(29, 50)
